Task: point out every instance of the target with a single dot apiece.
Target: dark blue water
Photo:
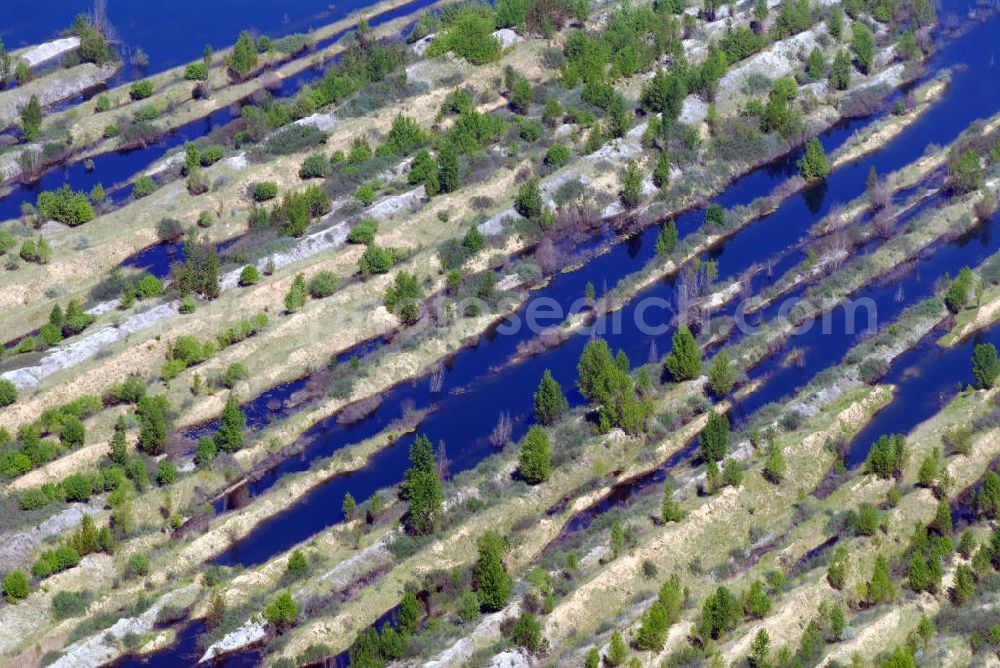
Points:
(175, 33)
(119, 167)
(185, 652)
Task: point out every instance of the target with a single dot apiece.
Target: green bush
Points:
(149, 286)
(265, 190)
(315, 166)
(196, 72)
(138, 566)
(249, 275)
(469, 34)
(140, 90)
(363, 232)
(166, 474)
(211, 155)
(376, 260)
(33, 499)
(234, 373)
(557, 155)
(323, 284)
(144, 185)
(66, 604)
(78, 487)
(65, 205)
(8, 392)
(15, 586)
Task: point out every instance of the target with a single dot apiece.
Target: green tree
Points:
(31, 119)
(349, 506)
(281, 611)
(151, 412)
(529, 202)
(714, 438)
(985, 365)
(422, 489)
(964, 585)
(840, 70)
(836, 573)
(720, 613)
(918, 576)
(550, 402)
(653, 628)
(617, 650)
(492, 582)
(721, 374)
(448, 178)
(229, 437)
(684, 360)
(666, 241)
(759, 649)
(661, 173)
(813, 164)
(942, 518)
(409, 614)
(774, 465)
(605, 383)
(535, 462)
(863, 46)
(244, 56)
(965, 172)
(815, 65)
(835, 23)
(631, 194)
(527, 633)
(297, 565)
(880, 588)
(670, 508)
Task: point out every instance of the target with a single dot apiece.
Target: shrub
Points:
(365, 194)
(138, 566)
(65, 205)
(8, 392)
(281, 611)
(234, 373)
(196, 72)
(314, 166)
(363, 232)
(376, 260)
(66, 604)
(557, 155)
(249, 275)
(144, 185)
(470, 35)
(149, 286)
(265, 190)
(211, 155)
(78, 487)
(15, 586)
(140, 90)
(166, 473)
(323, 284)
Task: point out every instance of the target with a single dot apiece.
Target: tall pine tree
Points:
(422, 489)
(550, 402)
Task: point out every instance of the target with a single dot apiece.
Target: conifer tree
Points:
(492, 582)
(684, 360)
(550, 402)
(422, 489)
(229, 437)
(536, 456)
